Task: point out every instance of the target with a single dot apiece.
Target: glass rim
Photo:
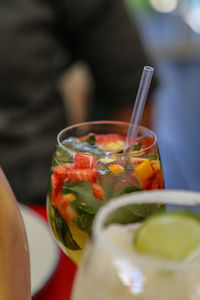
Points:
(159, 196)
(105, 122)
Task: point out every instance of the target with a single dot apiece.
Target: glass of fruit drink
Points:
(88, 169)
(158, 258)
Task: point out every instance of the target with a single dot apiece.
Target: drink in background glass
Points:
(114, 267)
(88, 169)
(14, 254)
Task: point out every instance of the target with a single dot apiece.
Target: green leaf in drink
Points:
(85, 201)
(61, 156)
(129, 189)
(64, 233)
(91, 140)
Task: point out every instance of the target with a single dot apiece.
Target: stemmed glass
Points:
(89, 168)
(113, 269)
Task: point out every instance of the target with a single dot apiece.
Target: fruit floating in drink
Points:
(88, 169)
(158, 258)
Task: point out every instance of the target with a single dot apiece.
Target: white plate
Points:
(44, 252)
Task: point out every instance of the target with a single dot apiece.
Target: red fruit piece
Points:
(146, 185)
(154, 182)
(61, 202)
(98, 191)
(60, 173)
(57, 183)
(56, 199)
(84, 138)
(158, 182)
(68, 214)
(102, 139)
(84, 161)
(82, 175)
(136, 163)
(61, 170)
(148, 142)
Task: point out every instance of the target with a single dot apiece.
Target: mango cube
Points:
(116, 169)
(69, 197)
(112, 147)
(144, 170)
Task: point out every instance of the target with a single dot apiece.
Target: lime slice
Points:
(171, 235)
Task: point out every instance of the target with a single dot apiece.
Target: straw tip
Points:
(148, 68)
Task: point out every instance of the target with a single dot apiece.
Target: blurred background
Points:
(49, 41)
(170, 33)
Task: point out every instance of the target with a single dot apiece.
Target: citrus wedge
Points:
(170, 235)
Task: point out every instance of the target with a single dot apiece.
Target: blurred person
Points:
(98, 32)
(174, 47)
(176, 122)
(76, 86)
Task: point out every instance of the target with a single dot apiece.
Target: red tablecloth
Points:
(60, 285)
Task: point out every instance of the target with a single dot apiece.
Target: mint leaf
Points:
(123, 216)
(152, 156)
(68, 185)
(132, 213)
(86, 205)
(91, 140)
(85, 201)
(129, 189)
(61, 156)
(63, 232)
(143, 210)
(84, 222)
(137, 147)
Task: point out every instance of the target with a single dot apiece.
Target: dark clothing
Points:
(31, 112)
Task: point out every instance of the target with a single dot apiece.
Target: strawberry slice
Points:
(102, 139)
(61, 170)
(84, 161)
(82, 175)
(57, 183)
(98, 191)
(60, 173)
(85, 137)
(148, 142)
(56, 199)
(146, 185)
(61, 202)
(68, 214)
(157, 183)
(154, 182)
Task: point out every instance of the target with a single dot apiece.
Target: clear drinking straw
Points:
(138, 107)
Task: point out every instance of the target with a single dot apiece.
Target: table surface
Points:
(60, 285)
